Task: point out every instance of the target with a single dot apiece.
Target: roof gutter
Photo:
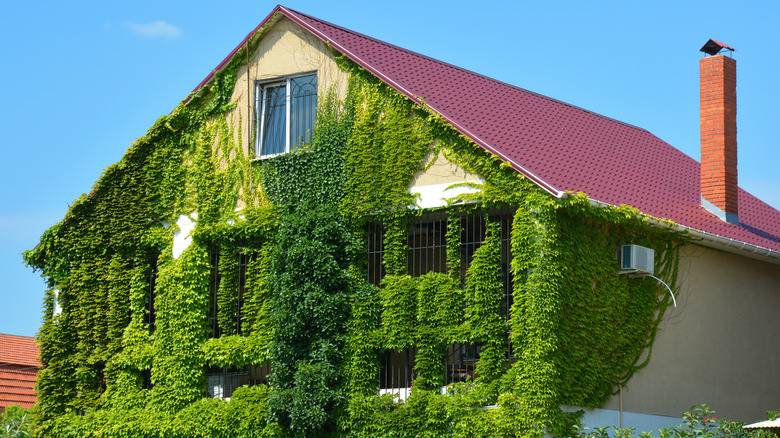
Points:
(711, 240)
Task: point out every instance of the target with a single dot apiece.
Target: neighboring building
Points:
(18, 368)
(492, 220)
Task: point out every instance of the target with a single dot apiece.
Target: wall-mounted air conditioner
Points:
(635, 259)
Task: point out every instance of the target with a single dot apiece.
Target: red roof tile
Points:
(18, 369)
(19, 350)
(559, 146)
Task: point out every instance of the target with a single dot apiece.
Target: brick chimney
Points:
(718, 124)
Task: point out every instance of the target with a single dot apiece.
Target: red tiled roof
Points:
(18, 350)
(17, 385)
(559, 146)
(18, 369)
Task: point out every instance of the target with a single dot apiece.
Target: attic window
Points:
(285, 113)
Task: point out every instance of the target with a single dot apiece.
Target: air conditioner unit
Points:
(635, 259)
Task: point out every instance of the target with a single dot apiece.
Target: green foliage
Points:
(182, 299)
(316, 171)
(395, 244)
(399, 311)
(453, 247)
(363, 342)
(309, 316)
(14, 423)
(439, 300)
(243, 416)
(484, 291)
(227, 296)
(309, 280)
(390, 138)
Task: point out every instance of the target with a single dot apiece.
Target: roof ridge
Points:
(465, 70)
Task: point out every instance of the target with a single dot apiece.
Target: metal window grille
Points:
(246, 254)
(461, 362)
(426, 245)
(375, 252)
(243, 266)
(285, 113)
(214, 330)
(427, 252)
(150, 316)
(396, 372)
(223, 381)
(303, 109)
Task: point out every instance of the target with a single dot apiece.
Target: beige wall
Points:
(433, 185)
(720, 346)
(439, 171)
(286, 49)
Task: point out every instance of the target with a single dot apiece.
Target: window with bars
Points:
(396, 372)
(146, 379)
(426, 242)
(150, 316)
(285, 113)
(223, 381)
(216, 277)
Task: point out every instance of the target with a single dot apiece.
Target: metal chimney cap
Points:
(712, 47)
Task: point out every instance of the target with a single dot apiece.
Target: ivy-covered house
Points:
(332, 235)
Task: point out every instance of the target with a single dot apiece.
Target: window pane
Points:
(304, 109)
(274, 119)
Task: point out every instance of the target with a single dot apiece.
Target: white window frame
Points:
(260, 103)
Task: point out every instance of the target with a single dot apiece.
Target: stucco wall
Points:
(719, 346)
(440, 171)
(433, 183)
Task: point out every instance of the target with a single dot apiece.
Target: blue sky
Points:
(83, 79)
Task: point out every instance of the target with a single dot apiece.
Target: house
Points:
(332, 234)
(18, 368)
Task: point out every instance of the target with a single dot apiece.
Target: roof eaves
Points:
(712, 240)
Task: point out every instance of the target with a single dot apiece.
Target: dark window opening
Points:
(146, 379)
(246, 255)
(150, 316)
(221, 382)
(396, 371)
(461, 362)
(214, 330)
